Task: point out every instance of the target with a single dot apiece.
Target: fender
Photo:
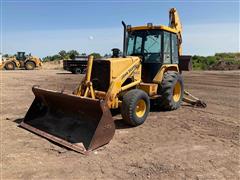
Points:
(166, 67)
(35, 60)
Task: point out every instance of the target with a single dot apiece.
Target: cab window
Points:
(152, 48)
(174, 49)
(167, 48)
(134, 45)
(146, 44)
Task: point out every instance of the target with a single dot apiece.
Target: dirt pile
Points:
(55, 65)
(225, 65)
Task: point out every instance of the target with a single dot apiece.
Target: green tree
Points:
(55, 57)
(47, 58)
(96, 55)
(207, 62)
(6, 55)
(72, 54)
(63, 54)
(52, 58)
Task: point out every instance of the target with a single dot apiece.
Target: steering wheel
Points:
(145, 51)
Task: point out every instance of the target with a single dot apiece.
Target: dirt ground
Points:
(188, 143)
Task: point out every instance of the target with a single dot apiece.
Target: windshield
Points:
(146, 44)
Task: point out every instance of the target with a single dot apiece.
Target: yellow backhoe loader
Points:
(149, 69)
(20, 60)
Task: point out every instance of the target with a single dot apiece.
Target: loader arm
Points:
(116, 85)
(85, 88)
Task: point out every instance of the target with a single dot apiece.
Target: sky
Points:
(45, 27)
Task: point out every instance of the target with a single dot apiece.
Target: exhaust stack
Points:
(124, 39)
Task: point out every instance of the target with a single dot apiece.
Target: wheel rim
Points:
(140, 108)
(29, 66)
(78, 71)
(177, 92)
(10, 66)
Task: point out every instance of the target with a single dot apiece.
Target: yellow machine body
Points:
(82, 120)
(13, 62)
(121, 70)
(146, 27)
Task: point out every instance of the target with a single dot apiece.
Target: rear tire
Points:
(9, 66)
(171, 90)
(135, 107)
(29, 65)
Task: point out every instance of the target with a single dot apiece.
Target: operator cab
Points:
(154, 46)
(21, 56)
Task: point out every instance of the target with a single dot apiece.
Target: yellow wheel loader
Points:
(149, 70)
(21, 60)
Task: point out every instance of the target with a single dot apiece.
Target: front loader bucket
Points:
(81, 124)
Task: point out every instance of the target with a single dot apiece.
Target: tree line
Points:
(207, 62)
(199, 62)
(64, 55)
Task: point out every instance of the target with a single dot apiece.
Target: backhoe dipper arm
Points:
(175, 23)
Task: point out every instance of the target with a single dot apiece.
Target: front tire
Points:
(171, 90)
(135, 107)
(29, 65)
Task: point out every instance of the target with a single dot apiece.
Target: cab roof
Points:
(147, 27)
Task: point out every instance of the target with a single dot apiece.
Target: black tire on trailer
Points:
(171, 90)
(78, 71)
(30, 65)
(135, 107)
(9, 66)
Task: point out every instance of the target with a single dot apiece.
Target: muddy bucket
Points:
(81, 124)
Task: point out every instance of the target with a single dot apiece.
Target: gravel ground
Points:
(188, 143)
